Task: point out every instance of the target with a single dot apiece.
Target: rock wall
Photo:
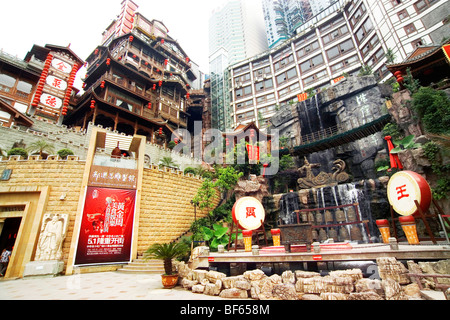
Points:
(304, 285)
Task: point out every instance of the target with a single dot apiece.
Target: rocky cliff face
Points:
(348, 105)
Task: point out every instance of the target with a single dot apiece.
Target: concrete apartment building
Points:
(340, 40)
(236, 33)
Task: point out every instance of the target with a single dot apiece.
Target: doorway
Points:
(9, 233)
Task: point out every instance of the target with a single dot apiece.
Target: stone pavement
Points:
(95, 286)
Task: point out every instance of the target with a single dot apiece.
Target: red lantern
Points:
(149, 105)
(154, 87)
(162, 41)
(84, 85)
(166, 62)
(160, 131)
(188, 95)
(400, 79)
(92, 104)
(96, 51)
(397, 74)
(108, 61)
(187, 59)
(146, 63)
(131, 38)
(160, 83)
(102, 85)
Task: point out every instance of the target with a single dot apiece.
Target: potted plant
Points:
(167, 252)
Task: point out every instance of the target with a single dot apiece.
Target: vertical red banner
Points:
(107, 226)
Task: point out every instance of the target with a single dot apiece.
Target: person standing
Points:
(4, 260)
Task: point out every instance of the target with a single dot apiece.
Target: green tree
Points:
(41, 147)
(433, 108)
(168, 162)
(166, 252)
(390, 56)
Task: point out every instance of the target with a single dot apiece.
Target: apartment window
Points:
(396, 2)
(263, 85)
(338, 67)
(6, 82)
(341, 49)
(308, 49)
(336, 34)
(316, 77)
(359, 14)
(365, 29)
(311, 63)
(245, 104)
(285, 76)
(423, 5)
(24, 89)
(369, 46)
(417, 43)
(264, 99)
(262, 72)
(284, 62)
(377, 57)
(403, 15)
(242, 79)
(240, 93)
(410, 28)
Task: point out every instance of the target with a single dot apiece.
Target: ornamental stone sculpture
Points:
(53, 233)
(323, 179)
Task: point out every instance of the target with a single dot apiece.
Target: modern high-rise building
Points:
(236, 33)
(283, 17)
(340, 40)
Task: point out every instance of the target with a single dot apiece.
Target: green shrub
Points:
(64, 153)
(433, 108)
(18, 152)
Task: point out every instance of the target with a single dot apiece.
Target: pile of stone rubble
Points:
(395, 284)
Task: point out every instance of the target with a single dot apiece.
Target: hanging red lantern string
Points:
(149, 105)
(70, 84)
(160, 83)
(131, 38)
(92, 104)
(42, 79)
(102, 85)
(108, 61)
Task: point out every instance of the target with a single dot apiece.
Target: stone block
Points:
(43, 268)
(234, 293)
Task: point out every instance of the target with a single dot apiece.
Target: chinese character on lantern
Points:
(61, 67)
(57, 83)
(51, 101)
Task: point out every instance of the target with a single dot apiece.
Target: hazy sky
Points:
(81, 23)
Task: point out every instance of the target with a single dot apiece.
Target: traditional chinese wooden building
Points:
(428, 64)
(137, 81)
(54, 91)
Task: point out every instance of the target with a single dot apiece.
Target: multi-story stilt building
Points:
(137, 81)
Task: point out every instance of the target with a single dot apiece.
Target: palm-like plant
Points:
(168, 162)
(166, 252)
(41, 146)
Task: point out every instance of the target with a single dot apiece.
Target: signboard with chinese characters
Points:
(54, 90)
(107, 227)
(248, 213)
(110, 177)
(404, 189)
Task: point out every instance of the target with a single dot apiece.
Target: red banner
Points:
(446, 50)
(107, 226)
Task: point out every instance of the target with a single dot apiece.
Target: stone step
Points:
(141, 265)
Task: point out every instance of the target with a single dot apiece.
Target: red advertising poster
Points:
(107, 226)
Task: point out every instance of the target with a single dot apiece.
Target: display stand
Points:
(235, 230)
(423, 216)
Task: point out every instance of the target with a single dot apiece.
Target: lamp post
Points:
(195, 220)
